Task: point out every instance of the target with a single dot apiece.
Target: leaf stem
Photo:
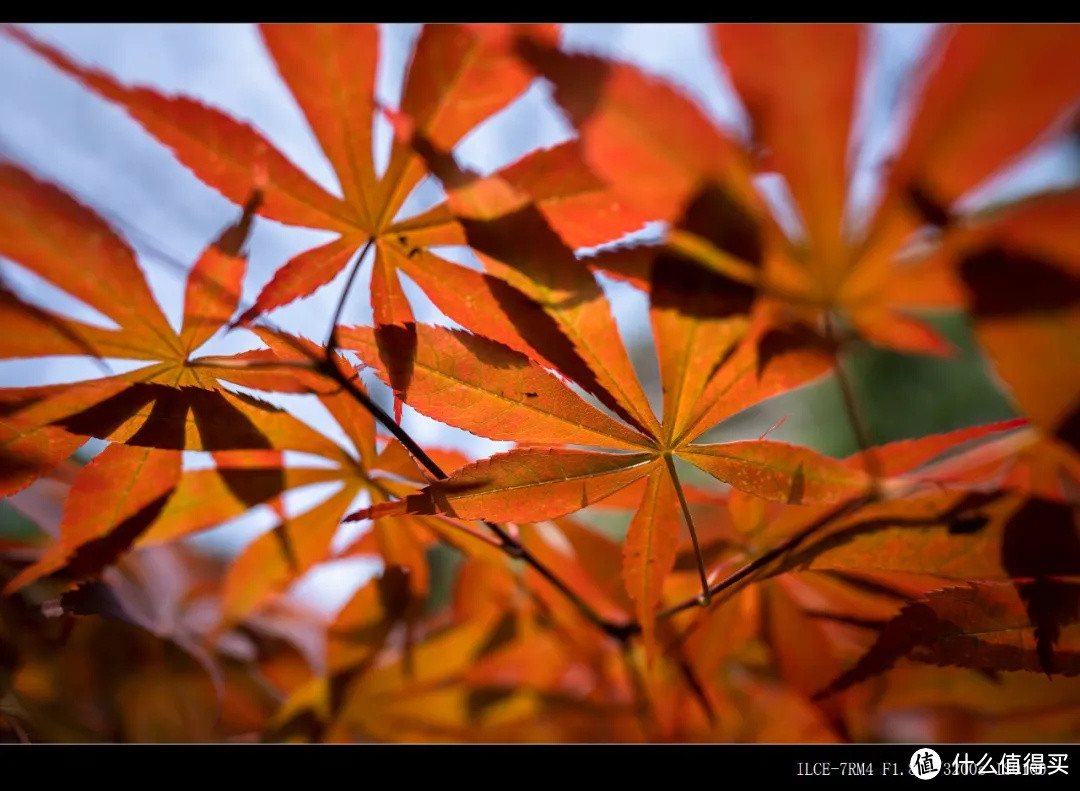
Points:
(331, 339)
(873, 468)
(762, 560)
(870, 458)
(705, 597)
(507, 543)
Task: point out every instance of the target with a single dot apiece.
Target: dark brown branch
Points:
(507, 543)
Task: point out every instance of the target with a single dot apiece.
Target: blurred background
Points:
(55, 128)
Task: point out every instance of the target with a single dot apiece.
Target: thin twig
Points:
(507, 543)
(760, 561)
(874, 471)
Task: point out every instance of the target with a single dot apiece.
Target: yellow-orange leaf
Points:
(778, 471)
(486, 388)
(530, 485)
(649, 550)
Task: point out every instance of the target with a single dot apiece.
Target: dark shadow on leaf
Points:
(12, 402)
(1041, 541)
(524, 241)
(253, 486)
(588, 74)
(851, 620)
(91, 558)
(395, 593)
(1010, 284)
(688, 287)
(714, 215)
(504, 633)
(435, 498)
(538, 329)
(798, 486)
(221, 425)
(868, 585)
(478, 701)
(994, 657)
(165, 426)
(305, 726)
(94, 598)
(285, 545)
(920, 633)
(962, 509)
(966, 525)
(397, 351)
(692, 290)
(103, 419)
(489, 352)
(779, 341)
(14, 465)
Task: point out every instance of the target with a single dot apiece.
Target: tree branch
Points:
(760, 561)
(507, 543)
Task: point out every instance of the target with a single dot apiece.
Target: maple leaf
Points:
(171, 404)
(179, 683)
(495, 391)
(982, 625)
(459, 76)
(67, 244)
(663, 161)
(160, 409)
(491, 390)
(812, 623)
(987, 705)
(908, 547)
(923, 528)
(955, 551)
(242, 480)
(1020, 265)
(483, 673)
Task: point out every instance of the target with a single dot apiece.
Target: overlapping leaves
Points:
(816, 573)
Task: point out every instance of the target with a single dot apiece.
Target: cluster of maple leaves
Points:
(802, 598)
